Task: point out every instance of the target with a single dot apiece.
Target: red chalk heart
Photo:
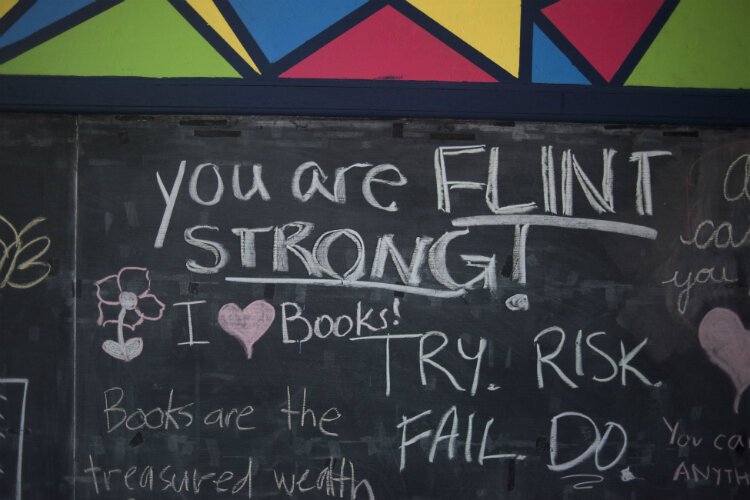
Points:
(249, 324)
(727, 343)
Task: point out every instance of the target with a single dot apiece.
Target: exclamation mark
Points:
(396, 312)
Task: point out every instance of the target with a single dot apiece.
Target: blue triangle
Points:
(39, 16)
(550, 65)
(280, 26)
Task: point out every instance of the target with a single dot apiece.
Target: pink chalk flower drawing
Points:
(125, 299)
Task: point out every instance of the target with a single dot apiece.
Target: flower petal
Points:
(107, 313)
(108, 291)
(150, 307)
(134, 279)
(132, 319)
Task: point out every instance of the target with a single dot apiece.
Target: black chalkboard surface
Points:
(37, 159)
(274, 308)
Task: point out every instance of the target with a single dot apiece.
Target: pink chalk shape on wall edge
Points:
(727, 343)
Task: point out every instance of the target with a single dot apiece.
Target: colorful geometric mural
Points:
(135, 37)
(41, 15)
(492, 28)
(280, 26)
(407, 53)
(211, 14)
(703, 45)
(550, 65)
(604, 33)
(651, 43)
(6, 5)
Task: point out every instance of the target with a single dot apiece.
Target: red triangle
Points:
(388, 46)
(604, 32)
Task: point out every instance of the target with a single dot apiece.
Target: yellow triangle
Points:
(6, 5)
(210, 13)
(492, 27)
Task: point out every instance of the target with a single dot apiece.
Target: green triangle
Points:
(704, 44)
(146, 38)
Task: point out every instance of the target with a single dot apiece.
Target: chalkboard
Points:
(307, 308)
(37, 191)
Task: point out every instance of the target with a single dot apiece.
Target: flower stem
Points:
(120, 321)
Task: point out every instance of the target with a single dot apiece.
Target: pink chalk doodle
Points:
(727, 343)
(249, 324)
(125, 299)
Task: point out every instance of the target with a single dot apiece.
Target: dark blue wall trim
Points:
(374, 99)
